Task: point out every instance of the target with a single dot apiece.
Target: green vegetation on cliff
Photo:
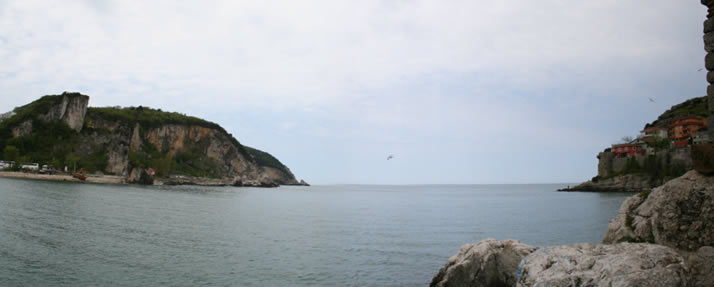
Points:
(265, 159)
(692, 107)
(107, 133)
(50, 141)
(147, 117)
(190, 163)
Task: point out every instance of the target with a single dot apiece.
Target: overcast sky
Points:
(509, 91)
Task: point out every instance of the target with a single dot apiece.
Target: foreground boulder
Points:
(587, 264)
(510, 263)
(702, 266)
(488, 262)
(679, 214)
(660, 238)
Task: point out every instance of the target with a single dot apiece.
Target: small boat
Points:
(79, 176)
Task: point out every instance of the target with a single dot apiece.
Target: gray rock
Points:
(587, 264)
(140, 176)
(702, 266)
(709, 61)
(491, 262)
(626, 183)
(679, 214)
(709, 42)
(71, 110)
(708, 25)
(488, 262)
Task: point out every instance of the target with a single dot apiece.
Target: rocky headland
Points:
(660, 238)
(138, 144)
(657, 155)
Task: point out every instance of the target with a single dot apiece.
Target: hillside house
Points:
(629, 149)
(653, 133)
(682, 130)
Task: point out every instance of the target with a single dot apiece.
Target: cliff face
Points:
(118, 141)
(177, 149)
(69, 108)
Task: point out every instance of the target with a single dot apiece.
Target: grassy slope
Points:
(692, 107)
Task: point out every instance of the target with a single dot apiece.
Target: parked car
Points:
(6, 164)
(30, 166)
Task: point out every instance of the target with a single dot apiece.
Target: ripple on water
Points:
(91, 235)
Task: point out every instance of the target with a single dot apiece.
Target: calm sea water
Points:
(63, 234)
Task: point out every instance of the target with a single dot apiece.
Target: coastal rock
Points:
(488, 262)
(140, 176)
(249, 182)
(622, 183)
(192, 180)
(702, 266)
(491, 262)
(587, 264)
(679, 214)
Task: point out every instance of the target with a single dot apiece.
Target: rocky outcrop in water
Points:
(626, 183)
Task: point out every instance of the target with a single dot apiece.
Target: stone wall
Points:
(608, 164)
(704, 160)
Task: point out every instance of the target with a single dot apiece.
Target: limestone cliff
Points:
(69, 108)
(119, 140)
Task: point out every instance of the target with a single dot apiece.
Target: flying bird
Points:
(651, 100)
(700, 69)
(390, 157)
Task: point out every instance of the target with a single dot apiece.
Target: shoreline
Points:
(63, 177)
(112, 179)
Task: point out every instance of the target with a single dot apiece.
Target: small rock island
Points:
(61, 134)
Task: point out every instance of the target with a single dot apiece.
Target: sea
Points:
(69, 234)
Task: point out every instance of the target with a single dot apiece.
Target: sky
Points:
(460, 92)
